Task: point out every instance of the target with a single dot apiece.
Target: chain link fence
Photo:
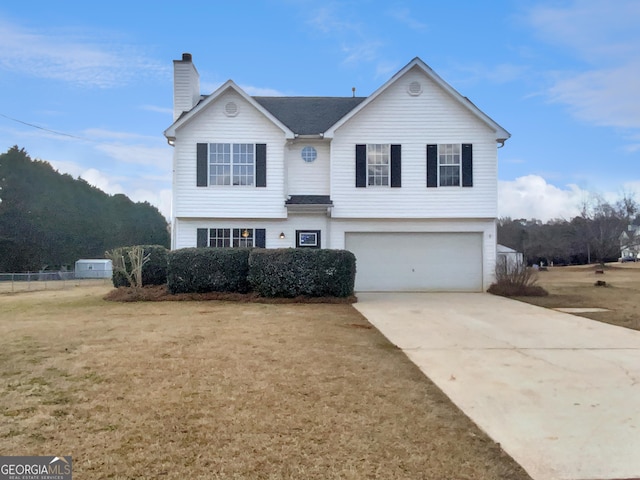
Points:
(32, 281)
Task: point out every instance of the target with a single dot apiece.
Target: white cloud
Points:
(80, 59)
(496, 74)
(532, 197)
(360, 51)
(605, 36)
(356, 42)
(261, 91)
(157, 109)
(385, 69)
(104, 134)
(157, 157)
(598, 30)
(608, 97)
(161, 199)
(404, 16)
(102, 181)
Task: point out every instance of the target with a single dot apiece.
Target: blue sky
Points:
(563, 77)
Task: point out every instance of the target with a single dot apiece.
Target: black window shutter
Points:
(261, 165)
(361, 166)
(432, 165)
(467, 165)
(201, 162)
(260, 237)
(203, 233)
(396, 165)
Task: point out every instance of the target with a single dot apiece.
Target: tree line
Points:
(592, 236)
(48, 220)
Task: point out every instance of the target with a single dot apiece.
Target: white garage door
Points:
(417, 261)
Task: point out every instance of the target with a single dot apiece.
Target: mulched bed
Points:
(160, 293)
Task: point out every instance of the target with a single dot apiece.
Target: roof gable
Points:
(322, 116)
(208, 100)
(501, 134)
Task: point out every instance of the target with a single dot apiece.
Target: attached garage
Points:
(417, 261)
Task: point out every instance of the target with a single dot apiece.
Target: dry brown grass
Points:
(224, 390)
(575, 287)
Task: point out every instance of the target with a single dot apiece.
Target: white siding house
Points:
(405, 178)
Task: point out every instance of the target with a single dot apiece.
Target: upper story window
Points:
(239, 164)
(231, 164)
(449, 164)
(378, 164)
(378, 158)
(309, 154)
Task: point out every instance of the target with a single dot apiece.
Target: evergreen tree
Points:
(48, 219)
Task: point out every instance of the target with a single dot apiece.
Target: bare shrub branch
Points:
(132, 269)
(514, 278)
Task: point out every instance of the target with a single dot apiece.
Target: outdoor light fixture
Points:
(281, 235)
(245, 233)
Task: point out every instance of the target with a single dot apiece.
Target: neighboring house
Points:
(630, 243)
(511, 257)
(405, 178)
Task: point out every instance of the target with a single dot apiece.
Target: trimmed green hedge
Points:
(310, 272)
(154, 272)
(200, 270)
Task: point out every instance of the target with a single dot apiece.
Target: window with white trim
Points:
(231, 237)
(378, 160)
(449, 164)
(231, 164)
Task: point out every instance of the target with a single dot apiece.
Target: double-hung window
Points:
(231, 164)
(231, 237)
(449, 164)
(378, 165)
(378, 162)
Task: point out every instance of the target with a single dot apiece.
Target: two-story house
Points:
(405, 178)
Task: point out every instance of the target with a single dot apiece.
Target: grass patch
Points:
(575, 286)
(222, 389)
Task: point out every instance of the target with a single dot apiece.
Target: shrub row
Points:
(294, 272)
(154, 272)
(200, 270)
(270, 273)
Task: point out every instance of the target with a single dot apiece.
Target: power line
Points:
(45, 129)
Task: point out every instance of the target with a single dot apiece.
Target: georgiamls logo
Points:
(35, 468)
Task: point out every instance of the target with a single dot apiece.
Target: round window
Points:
(309, 154)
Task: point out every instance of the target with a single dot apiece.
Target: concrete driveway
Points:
(560, 393)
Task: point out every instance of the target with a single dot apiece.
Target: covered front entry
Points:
(414, 262)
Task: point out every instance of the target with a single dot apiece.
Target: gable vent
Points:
(231, 109)
(414, 88)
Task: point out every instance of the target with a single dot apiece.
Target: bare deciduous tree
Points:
(604, 224)
(132, 269)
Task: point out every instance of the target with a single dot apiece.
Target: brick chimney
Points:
(186, 85)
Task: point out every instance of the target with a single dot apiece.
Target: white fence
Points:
(20, 282)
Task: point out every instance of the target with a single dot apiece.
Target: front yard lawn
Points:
(574, 287)
(224, 390)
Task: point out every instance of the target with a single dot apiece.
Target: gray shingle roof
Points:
(309, 115)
